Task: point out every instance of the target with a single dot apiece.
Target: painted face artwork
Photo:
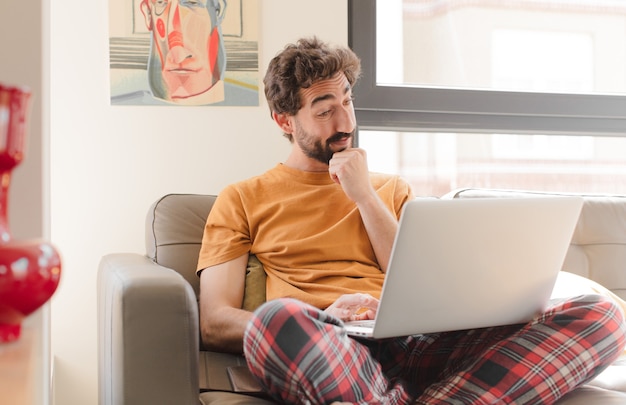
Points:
(187, 57)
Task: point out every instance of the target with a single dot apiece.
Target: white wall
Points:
(108, 164)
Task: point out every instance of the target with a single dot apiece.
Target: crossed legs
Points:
(304, 356)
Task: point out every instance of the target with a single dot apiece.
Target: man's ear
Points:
(284, 121)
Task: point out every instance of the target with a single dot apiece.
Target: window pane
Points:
(570, 46)
(436, 163)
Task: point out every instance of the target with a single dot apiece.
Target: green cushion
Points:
(254, 291)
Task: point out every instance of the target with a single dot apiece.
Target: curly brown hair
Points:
(300, 65)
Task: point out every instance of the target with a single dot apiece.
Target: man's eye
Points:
(324, 114)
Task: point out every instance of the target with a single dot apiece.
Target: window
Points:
(437, 162)
(521, 94)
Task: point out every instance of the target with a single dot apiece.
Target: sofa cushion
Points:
(590, 395)
(174, 228)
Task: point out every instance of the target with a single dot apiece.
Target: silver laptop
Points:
(472, 263)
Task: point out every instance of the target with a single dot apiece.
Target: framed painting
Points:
(184, 52)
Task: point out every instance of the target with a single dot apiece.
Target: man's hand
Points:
(349, 169)
(354, 307)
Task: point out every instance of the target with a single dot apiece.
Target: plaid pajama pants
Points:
(304, 356)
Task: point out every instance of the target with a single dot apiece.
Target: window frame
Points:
(414, 108)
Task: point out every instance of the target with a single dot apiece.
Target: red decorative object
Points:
(29, 270)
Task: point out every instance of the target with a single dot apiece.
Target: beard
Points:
(314, 148)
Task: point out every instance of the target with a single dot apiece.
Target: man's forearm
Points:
(381, 227)
(223, 330)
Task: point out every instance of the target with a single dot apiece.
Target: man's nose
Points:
(345, 121)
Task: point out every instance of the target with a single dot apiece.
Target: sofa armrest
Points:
(148, 334)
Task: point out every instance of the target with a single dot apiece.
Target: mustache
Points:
(338, 137)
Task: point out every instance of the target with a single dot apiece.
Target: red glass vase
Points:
(30, 270)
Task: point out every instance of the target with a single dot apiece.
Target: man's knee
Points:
(602, 321)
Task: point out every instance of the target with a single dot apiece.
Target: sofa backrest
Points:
(174, 227)
(175, 224)
(598, 249)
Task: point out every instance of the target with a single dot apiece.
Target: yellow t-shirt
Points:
(304, 230)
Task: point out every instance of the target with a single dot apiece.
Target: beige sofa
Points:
(149, 347)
